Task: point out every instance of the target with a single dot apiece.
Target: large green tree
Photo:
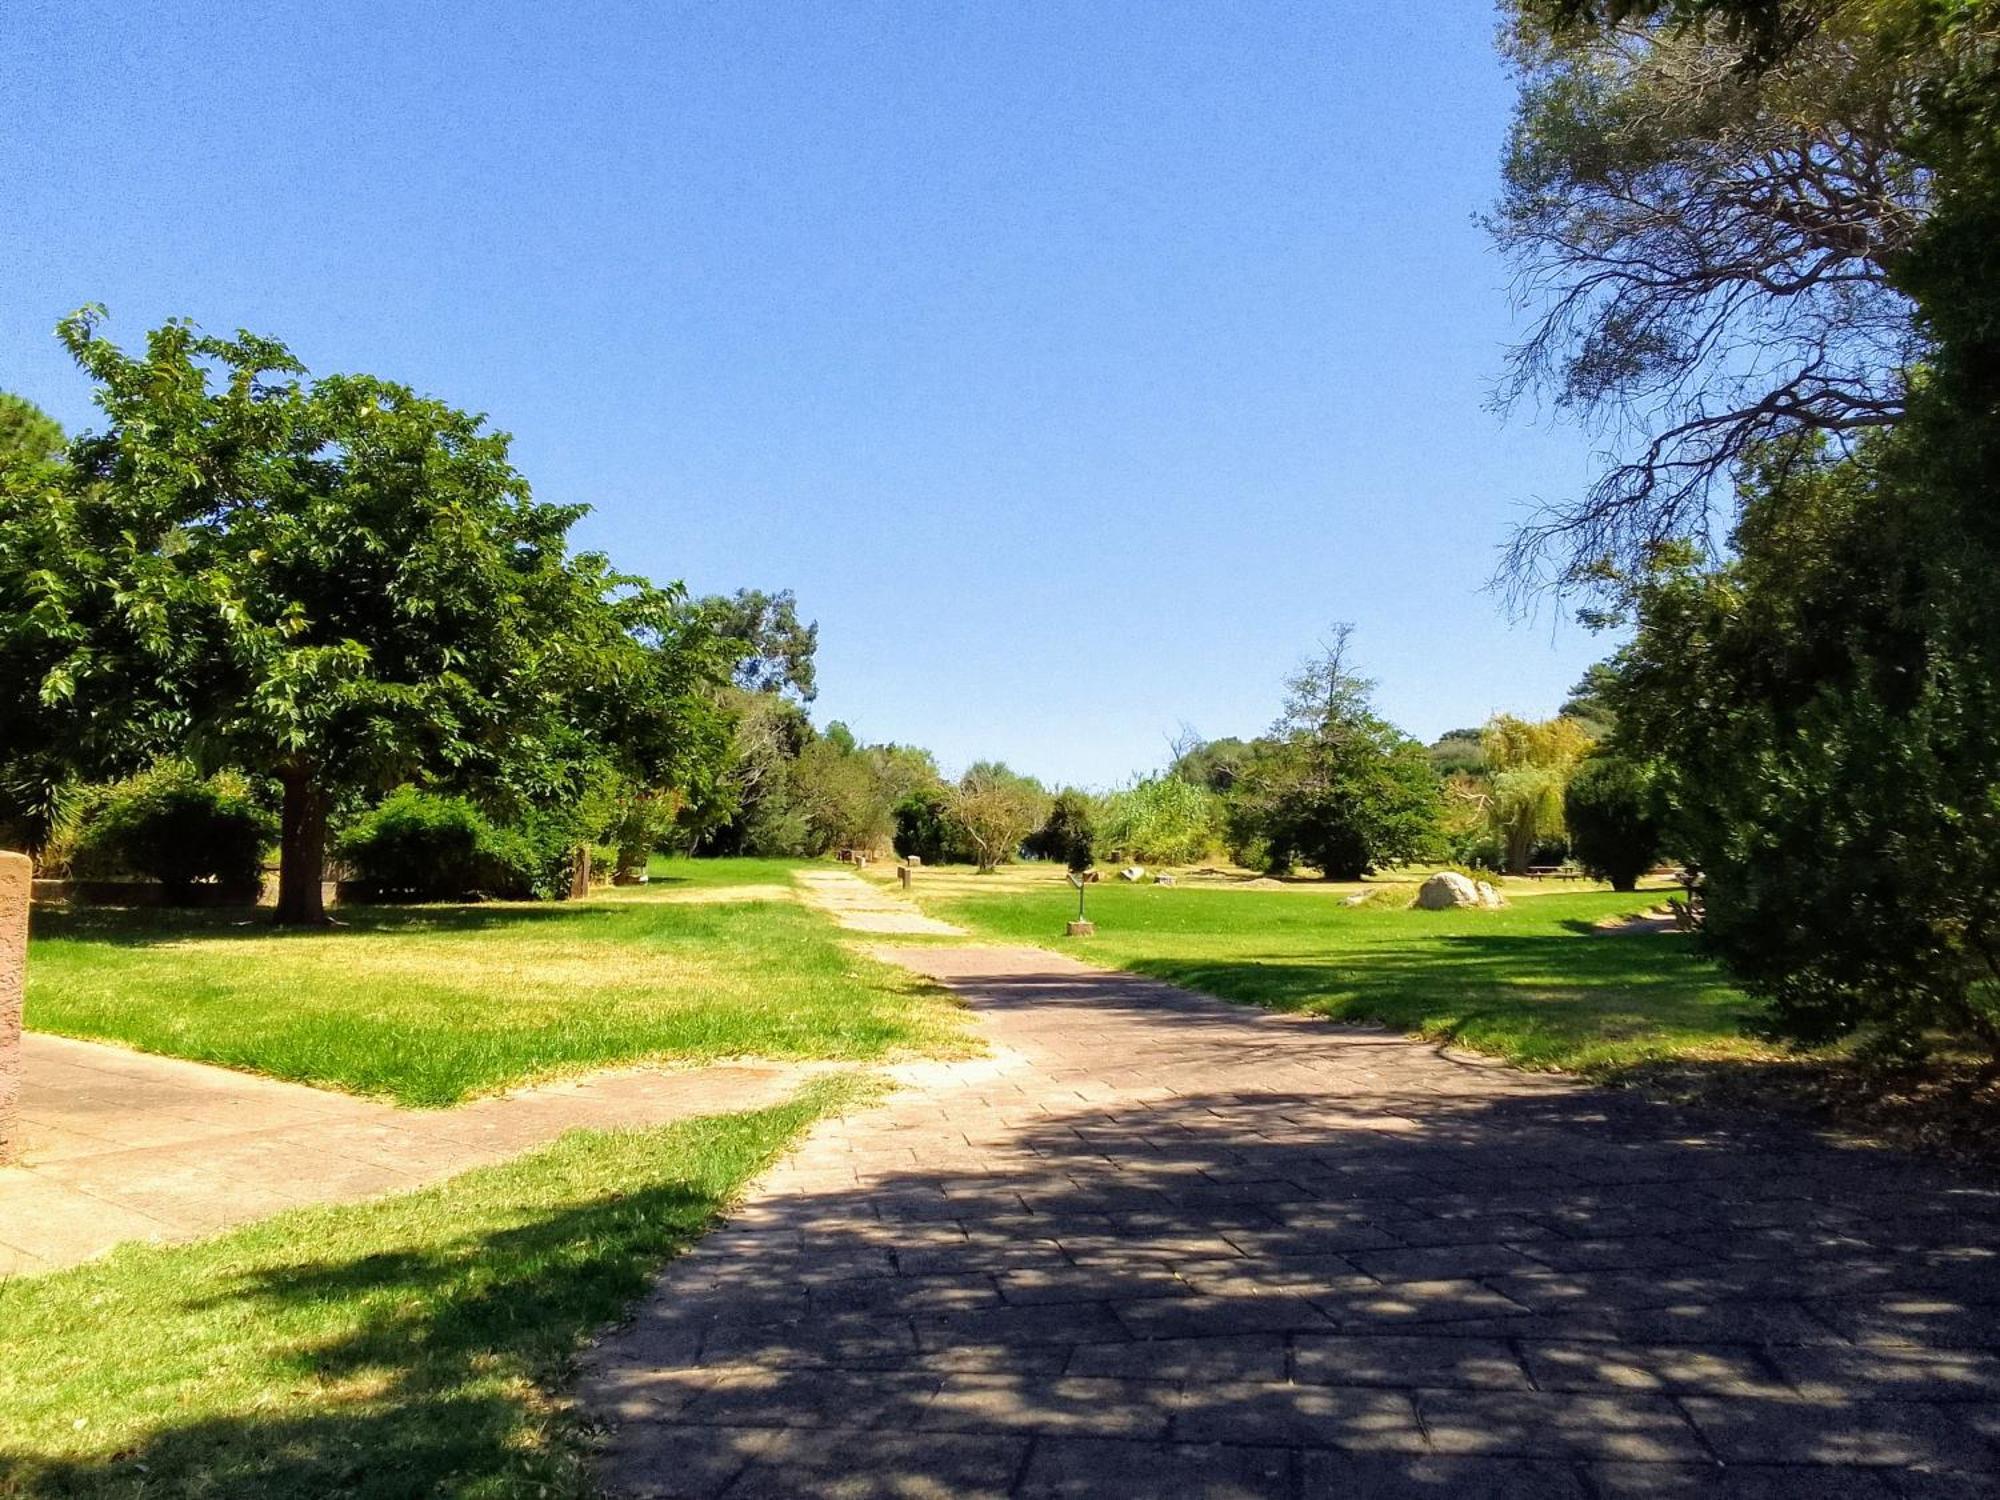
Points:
(1824, 690)
(336, 583)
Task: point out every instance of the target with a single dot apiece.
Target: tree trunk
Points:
(302, 852)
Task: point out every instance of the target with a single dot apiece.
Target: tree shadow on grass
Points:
(435, 1380)
(1557, 989)
(135, 927)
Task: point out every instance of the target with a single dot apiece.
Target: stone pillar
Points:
(16, 884)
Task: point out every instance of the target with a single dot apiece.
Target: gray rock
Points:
(1448, 889)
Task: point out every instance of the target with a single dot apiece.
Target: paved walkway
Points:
(860, 907)
(1156, 1245)
(122, 1146)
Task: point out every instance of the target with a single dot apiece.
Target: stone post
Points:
(16, 885)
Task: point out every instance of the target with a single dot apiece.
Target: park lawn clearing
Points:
(414, 1345)
(429, 1005)
(1533, 983)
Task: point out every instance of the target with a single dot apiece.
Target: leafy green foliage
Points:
(1214, 764)
(177, 827)
(28, 434)
(336, 583)
(771, 651)
(1070, 832)
(1827, 707)
(1613, 811)
(1336, 786)
(1162, 820)
(1458, 753)
(923, 825)
(1824, 700)
(1530, 764)
(992, 810)
(419, 846)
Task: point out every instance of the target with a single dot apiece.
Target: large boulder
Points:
(1448, 889)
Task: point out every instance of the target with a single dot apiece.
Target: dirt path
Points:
(123, 1146)
(1159, 1245)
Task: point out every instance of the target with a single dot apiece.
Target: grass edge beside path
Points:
(1536, 985)
(417, 1344)
(428, 1006)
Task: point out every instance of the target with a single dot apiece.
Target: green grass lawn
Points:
(1531, 983)
(431, 1004)
(414, 1345)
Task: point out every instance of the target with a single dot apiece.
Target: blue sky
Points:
(1076, 364)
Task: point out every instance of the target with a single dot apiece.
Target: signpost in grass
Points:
(1080, 927)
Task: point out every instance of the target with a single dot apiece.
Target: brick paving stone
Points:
(1096, 1469)
(1158, 1245)
(1736, 1482)
(1901, 1434)
(1402, 1361)
(1341, 1476)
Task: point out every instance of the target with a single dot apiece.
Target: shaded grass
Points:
(408, 1346)
(1531, 983)
(431, 1004)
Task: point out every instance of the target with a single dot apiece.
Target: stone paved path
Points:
(860, 907)
(121, 1145)
(1160, 1246)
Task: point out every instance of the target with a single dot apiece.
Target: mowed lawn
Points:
(431, 1004)
(1533, 983)
(416, 1345)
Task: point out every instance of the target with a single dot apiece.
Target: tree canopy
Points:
(336, 583)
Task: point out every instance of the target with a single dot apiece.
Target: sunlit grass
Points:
(410, 1346)
(430, 1004)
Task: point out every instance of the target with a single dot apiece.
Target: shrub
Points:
(1162, 821)
(171, 825)
(1614, 826)
(1070, 834)
(419, 846)
(923, 825)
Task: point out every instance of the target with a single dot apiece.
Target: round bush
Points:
(183, 830)
(419, 846)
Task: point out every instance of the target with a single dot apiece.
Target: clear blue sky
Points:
(1076, 364)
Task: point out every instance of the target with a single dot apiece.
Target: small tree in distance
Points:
(1070, 833)
(994, 810)
(1612, 808)
(1337, 786)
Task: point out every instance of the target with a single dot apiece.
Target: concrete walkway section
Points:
(860, 907)
(124, 1146)
(1161, 1246)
